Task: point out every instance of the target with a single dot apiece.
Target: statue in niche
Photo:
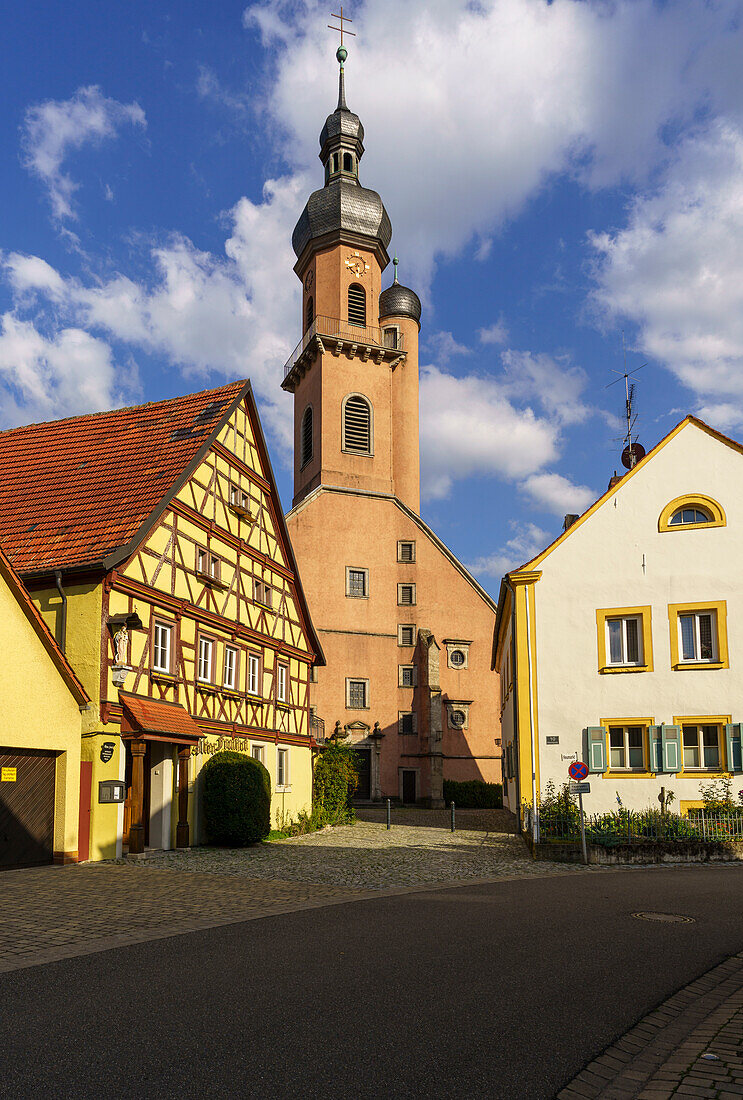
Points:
(121, 641)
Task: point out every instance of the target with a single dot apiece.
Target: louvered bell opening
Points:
(356, 305)
(306, 437)
(309, 314)
(357, 426)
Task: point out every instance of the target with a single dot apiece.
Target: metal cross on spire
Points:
(342, 19)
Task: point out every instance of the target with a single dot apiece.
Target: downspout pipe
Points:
(63, 624)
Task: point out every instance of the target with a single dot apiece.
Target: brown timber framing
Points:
(112, 712)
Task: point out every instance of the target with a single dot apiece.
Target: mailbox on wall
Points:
(111, 790)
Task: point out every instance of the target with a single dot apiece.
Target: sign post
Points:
(578, 772)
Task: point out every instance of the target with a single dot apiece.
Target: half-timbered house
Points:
(153, 543)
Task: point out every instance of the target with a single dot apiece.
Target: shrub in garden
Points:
(237, 799)
(335, 780)
(474, 794)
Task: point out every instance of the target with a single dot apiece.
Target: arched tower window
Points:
(305, 436)
(309, 316)
(358, 426)
(347, 162)
(356, 305)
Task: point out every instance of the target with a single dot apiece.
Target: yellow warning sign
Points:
(8, 775)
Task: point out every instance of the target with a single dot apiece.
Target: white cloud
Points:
(676, 268)
(234, 316)
(53, 129)
(558, 494)
(553, 382)
(42, 378)
(494, 334)
(526, 541)
(498, 97)
(469, 428)
(209, 87)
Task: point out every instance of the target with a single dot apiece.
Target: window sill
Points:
(164, 677)
(689, 666)
(208, 579)
(283, 706)
(230, 693)
(283, 790)
(629, 773)
(625, 668)
(207, 689)
(716, 772)
(251, 697)
(243, 513)
(355, 596)
(260, 603)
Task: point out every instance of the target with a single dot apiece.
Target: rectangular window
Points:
(357, 582)
(262, 593)
(281, 683)
(258, 753)
(161, 647)
(357, 692)
(392, 338)
(697, 636)
(202, 560)
(406, 722)
(282, 767)
(406, 551)
(207, 564)
(406, 676)
(254, 674)
(230, 667)
(702, 747)
(206, 650)
(406, 634)
(406, 595)
(627, 748)
(624, 641)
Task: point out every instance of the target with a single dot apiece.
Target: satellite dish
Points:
(632, 454)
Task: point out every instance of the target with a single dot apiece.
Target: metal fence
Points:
(335, 328)
(630, 827)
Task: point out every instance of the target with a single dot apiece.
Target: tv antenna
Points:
(633, 451)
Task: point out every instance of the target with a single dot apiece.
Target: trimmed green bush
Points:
(474, 794)
(237, 800)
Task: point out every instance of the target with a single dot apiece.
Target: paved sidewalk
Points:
(692, 1046)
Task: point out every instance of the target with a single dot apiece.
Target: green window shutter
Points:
(656, 748)
(596, 748)
(671, 741)
(735, 747)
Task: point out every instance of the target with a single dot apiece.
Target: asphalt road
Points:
(504, 990)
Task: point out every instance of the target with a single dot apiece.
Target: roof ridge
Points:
(124, 408)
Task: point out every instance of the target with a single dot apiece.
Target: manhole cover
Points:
(668, 918)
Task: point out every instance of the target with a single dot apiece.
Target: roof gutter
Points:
(62, 641)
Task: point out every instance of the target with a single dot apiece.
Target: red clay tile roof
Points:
(154, 716)
(47, 639)
(73, 491)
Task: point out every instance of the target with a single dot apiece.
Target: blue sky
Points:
(556, 174)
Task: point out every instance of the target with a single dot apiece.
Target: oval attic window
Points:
(689, 515)
(457, 658)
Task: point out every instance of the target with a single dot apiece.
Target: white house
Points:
(621, 643)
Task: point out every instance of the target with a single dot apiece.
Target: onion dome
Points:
(400, 301)
(343, 204)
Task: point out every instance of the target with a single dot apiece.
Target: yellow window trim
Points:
(644, 613)
(720, 608)
(721, 720)
(690, 500)
(629, 773)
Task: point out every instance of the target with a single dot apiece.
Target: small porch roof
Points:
(156, 720)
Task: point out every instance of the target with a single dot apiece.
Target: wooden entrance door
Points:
(26, 807)
(128, 798)
(363, 765)
(408, 786)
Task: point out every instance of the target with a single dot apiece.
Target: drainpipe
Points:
(63, 625)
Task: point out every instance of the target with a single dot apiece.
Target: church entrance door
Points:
(363, 763)
(408, 786)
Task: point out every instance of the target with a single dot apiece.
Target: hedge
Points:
(474, 794)
(237, 799)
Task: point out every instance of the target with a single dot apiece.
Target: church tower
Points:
(405, 629)
(359, 349)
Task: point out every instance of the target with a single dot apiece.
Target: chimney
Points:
(569, 520)
(615, 479)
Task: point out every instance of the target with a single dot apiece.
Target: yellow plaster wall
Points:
(39, 712)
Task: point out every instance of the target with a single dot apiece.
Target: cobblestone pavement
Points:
(692, 1046)
(419, 849)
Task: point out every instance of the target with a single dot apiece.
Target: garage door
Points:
(26, 807)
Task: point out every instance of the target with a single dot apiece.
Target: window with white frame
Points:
(406, 634)
(206, 652)
(258, 753)
(282, 768)
(701, 747)
(406, 677)
(357, 694)
(357, 582)
(627, 748)
(697, 636)
(406, 551)
(690, 514)
(254, 674)
(624, 640)
(230, 667)
(406, 595)
(161, 643)
(281, 678)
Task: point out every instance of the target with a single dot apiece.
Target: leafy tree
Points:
(336, 779)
